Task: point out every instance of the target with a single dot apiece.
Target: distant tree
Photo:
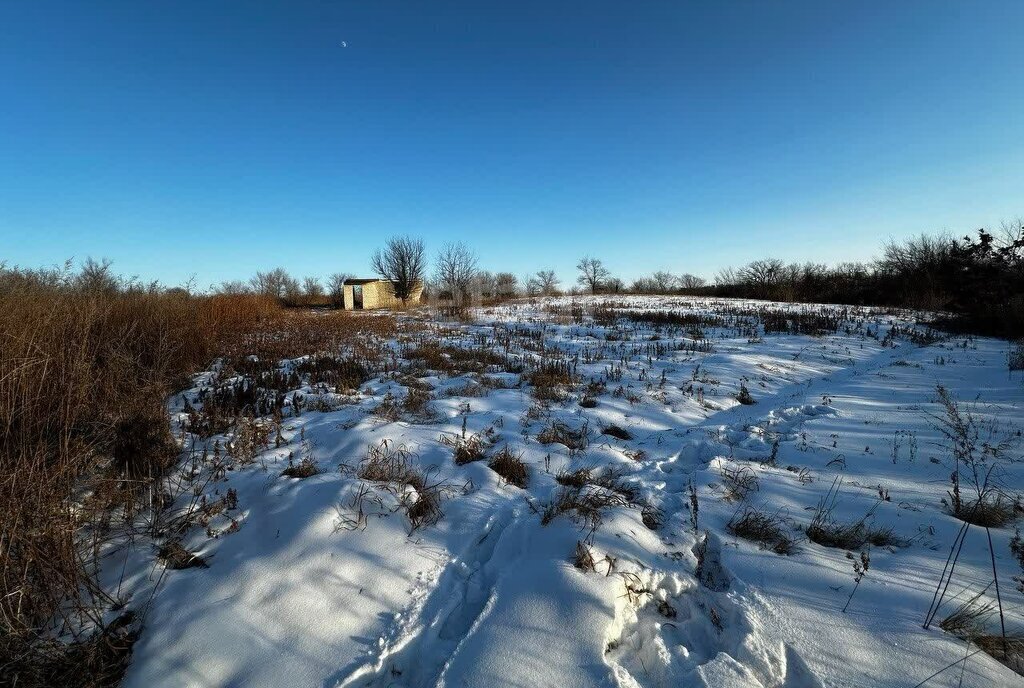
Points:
(336, 288)
(485, 285)
(271, 283)
(544, 282)
(403, 262)
(232, 288)
(96, 276)
(726, 277)
(688, 281)
(592, 273)
(505, 284)
(643, 285)
(614, 285)
(664, 282)
(292, 291)
(763, 277)
(456, 271)
(312, 287)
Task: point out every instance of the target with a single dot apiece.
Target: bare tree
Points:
(592, 273)
(726, 277)
(485, 285)
(292, 291)
(614, 285)
(271, 283)
(232, 288)
(688, 281)
(403, 262)
(336, 288)
(665, 282)
(312, 287)
(763, 275)
(643, 285)
(96, 276)
(505, 284)
(544, 282)
(456, 270)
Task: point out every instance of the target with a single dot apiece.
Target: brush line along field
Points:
(633, 492)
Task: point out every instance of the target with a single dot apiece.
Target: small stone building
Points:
(365, 294)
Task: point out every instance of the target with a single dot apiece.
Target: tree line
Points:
(975, 282)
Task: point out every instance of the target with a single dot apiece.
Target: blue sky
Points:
(217, 138)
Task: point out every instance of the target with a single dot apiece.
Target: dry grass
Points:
(992, 510)
(467, 449)
(617, 432)
(583, 559)
(586, 506)
(557, 432)
(765, 529)
(392, 467)
(577, 478)
(176, 557)
(306, 468)
(972, 621)
(511, 467)
(739, 483)
(826, 531)
(85, 366)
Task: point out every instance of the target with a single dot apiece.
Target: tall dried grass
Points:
(84, 370)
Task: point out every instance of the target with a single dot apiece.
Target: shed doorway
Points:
(357, 297)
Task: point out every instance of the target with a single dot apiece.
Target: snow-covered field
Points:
(394, 565)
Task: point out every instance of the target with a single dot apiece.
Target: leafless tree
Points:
(506, 284)
(456, 270)
(403, 262)
(544, 282)
(336, 288)
(592, 273)
(764, 276)
(312, 287)
(292, 291)
(688, 281)
(643, 285)
(726, 277)
(485, 285)
(271, 283)
(614, 285)
(96, 276)
(233, 288)
(665, 282)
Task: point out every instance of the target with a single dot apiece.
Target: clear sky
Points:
(216, 138)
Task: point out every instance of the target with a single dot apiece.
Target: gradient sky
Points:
(216, 138)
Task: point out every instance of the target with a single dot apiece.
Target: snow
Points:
(489, 595)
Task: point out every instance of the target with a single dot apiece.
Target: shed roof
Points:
(363, 280)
